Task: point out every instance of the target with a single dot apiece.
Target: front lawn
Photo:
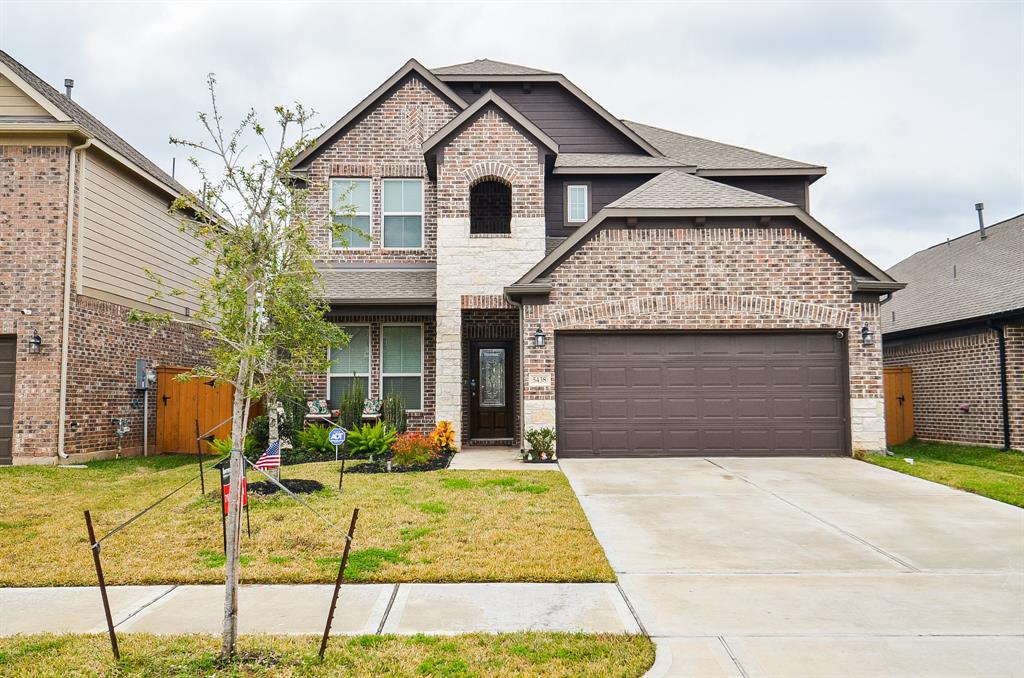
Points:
(501, 656)
(997, 474)
(441, 526)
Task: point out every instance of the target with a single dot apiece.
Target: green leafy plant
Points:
(542, 441)
(221, 446)
(392, 413)
(350, 407)
(315, 440)
(371, 440)
(412, 449)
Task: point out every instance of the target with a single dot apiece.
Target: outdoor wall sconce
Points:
(539, 338)
(867, 335)
(35, 342)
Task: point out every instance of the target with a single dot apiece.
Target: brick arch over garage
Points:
(789, 312)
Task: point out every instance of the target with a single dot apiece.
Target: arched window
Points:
(490, 207)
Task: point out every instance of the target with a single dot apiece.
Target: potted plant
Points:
(542, 445)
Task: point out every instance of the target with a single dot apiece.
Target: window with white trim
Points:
(355, 194)
(578, 203)
(403, 213)
(350, 365)
(402, 363)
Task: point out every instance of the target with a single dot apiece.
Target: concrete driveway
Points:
(809, 567)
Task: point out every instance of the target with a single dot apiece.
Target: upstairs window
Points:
(577, 203)
(490, 207)
(350, 365)
(402, 363)
(354, 194)
(403, 213)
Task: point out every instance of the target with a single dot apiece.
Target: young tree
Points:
(261, 303)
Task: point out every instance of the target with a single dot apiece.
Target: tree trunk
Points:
(229, 640)
(274, 430)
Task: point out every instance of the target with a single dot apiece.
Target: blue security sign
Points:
(337, 436)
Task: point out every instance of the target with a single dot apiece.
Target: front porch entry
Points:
(490, 365)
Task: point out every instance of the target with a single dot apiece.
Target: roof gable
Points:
(961, 279)
(16, 102)
(411, 67)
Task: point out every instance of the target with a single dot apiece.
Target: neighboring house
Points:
(535, 261)
(959, 326)
(82, 214)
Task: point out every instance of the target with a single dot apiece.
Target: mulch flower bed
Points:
(296, 485)
(437, 464)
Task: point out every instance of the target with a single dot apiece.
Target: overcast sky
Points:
(917, 109)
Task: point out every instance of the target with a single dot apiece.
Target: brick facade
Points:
(957, 388)
(732, 276)
(385, 143)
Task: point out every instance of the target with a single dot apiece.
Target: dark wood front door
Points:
(490, 389)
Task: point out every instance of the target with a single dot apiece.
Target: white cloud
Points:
(915, 108)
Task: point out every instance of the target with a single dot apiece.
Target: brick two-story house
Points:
(533, 260)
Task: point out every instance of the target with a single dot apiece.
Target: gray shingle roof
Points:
(989, 279)
(676, 189)
(613, 160)
(707, 154)
(88, 122)
(367, 284)
(487, 67)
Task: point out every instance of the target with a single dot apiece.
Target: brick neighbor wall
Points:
(956, 385)
(385, 143)
(732, 275)
(33, 213)
(104, 345)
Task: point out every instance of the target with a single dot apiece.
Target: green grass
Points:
(440, 526)
(545, 655)
(997, 474)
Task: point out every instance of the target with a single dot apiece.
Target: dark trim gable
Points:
(411, 67)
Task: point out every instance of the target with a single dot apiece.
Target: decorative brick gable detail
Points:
(384, 143)
(723, 276)
(485, 301)
(956, 385)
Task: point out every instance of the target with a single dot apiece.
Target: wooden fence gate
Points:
(180, 404)
(899, 405)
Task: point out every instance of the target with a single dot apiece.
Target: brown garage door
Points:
(7, 359)
(632, 394)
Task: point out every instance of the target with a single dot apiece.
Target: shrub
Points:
(443, 437)
(542, 440)
(259, 429)
(294, 417)
(371, 440)
(314, 440)
(350, 408)
(392, 412)
(412, 449)
(221, 446)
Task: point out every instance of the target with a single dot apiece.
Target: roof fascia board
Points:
(813, 224)
(781, 171)
(465, 116)
(384, 301)
(864, 285)
(576, 91)
(632, 169)
(980, 321)
(411, 66)
(34, 94)
(42, 126)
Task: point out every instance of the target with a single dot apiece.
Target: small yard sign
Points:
(337, 436)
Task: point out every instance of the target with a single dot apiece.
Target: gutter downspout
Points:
(65, 319)
(1001, 333)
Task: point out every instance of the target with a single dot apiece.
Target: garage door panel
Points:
(646, 394)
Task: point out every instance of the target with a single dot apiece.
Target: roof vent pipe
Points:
(980, 206)
(69, 84)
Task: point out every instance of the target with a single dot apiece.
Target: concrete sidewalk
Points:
(439, 609)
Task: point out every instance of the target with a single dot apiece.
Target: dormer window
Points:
(577, 203)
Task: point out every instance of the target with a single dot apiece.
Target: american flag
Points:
(271, 458)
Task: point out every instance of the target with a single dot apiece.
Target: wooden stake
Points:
(341, 478)
(337, 583)
(95, 548)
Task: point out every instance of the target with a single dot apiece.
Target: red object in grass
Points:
(245, 494)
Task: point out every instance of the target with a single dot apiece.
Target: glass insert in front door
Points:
(492, 377)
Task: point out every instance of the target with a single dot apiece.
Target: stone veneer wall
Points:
(481, 265)
(956, 385)
(724, 276)
(33, 215)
